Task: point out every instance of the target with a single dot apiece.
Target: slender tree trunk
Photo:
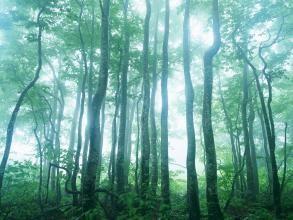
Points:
(285, 159)
(53, 131)
(128, 140)
(192, 183)
(214, 210)
(95, 135)
(154, 151)
(89, 98)
(266, 150)
(103, 120)
(72, 138)
(269, 124)
(251, 118)
(136, 180)
(80, 120)
(40, 154)
(145, 139)
(165, 182)
(123, 109)
(232, 139)
(11, 124)
(57, 141)
(250, 193)
(112, 163)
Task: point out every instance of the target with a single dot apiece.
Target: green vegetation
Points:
(155, 109)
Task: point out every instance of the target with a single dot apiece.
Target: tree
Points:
(95, 133)
(145, 139)
(11, 124)
(154, 150)
(123, 108)
(165, 184)
(249, 167)
(192, 183)
(214, 210)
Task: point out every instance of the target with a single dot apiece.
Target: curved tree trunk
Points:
(95, 133)
(80, 120)
(250, 194)
(214, 210)
(11, 124)
(229, 127)
(192, 183)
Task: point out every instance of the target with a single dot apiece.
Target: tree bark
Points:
(95, 135)
(229, 127)
(11, 124)
(89, 98)
(123, 108)
(154, 150)
(165, 182)
(145, 139)
(72, 139)
(193, 203)
(266, 150)
(128, 139)
(269, 123)
(136, 180)
(82, 101)
(250, 193)
(251, 118)
(214, 210)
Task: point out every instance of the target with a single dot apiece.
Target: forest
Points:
(146, 109)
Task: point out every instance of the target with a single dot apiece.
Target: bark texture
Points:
(145, 137)
(165, 182)
(95, 133)
(214, 210)
(192, 183)
(123, 108)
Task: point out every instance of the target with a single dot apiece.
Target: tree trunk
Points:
(229, 127)
(269, 124)
(11, 124)
(102, 131)
(123, 109)
(193, 203)
(95, 135)
(80, 120)
(154, 150)
(72, 139)
(136, 180)
(165, 183)
(214, 210)
(145, 139)
(57, 140)
(250, 193)
(251, 118)
(89, 98)
(266, 150)
(128, 140)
